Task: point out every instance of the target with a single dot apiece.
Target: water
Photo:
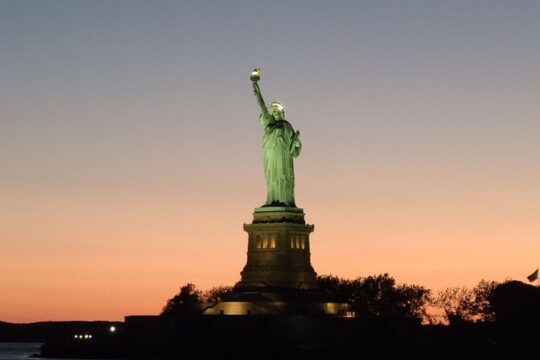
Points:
(17, 351)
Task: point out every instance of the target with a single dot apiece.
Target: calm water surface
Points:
(17, 351)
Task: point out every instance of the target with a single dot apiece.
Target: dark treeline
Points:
(490, 317)
(510, 302)
(486, 320)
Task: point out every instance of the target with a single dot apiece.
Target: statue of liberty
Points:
(280, 145)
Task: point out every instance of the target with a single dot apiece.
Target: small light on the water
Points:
(112, 329)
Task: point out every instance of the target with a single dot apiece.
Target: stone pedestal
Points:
(278, 278)
(278, 256)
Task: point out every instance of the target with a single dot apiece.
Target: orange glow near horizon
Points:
(103, 256)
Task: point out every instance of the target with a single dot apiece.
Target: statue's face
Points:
(277, 112)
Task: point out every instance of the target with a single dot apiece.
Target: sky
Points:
(130, 148)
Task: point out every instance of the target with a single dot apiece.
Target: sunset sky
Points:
(130, 148)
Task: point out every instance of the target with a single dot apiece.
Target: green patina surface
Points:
(281, 144)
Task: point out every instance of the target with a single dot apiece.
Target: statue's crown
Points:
(278, 105)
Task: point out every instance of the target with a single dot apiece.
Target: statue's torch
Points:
(255, 75)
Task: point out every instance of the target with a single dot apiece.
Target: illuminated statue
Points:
(280, 145)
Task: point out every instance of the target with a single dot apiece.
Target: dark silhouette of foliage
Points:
(461, 304)
(413, 301)
(336, 289)
(516, 302)
(217, 293)
(483, 300)
(377, 296)
(457, 303)
(180, 303)
(517, 312)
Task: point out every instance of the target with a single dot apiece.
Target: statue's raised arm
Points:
(255, 77)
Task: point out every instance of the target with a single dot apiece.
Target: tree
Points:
(377, 296)
(483, 300)
(462, 304)
(180, 303)
(336, 289)
(457, 303)
(374, 295)
(412, 302)
(514, 302)
(516, 312)
(217, 293)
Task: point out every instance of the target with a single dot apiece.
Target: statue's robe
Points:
(280, 146)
